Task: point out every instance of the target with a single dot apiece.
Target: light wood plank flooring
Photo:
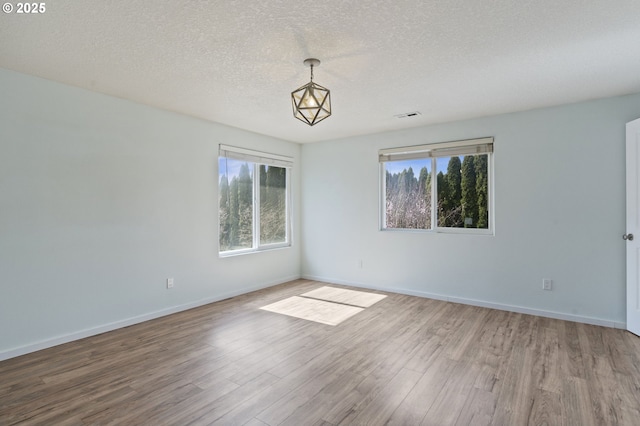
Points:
(403, 361)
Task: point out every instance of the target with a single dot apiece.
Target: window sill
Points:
(242, 252)
(452, 231)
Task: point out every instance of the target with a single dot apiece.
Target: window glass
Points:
(463, 188)
(408, 194)
(236, 204)
(273, 204)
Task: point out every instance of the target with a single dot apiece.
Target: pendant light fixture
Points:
(311, 102)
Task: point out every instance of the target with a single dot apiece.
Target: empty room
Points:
(320, 213)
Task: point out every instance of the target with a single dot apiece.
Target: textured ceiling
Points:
(236, 62)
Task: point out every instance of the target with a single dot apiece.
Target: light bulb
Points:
(309, 100)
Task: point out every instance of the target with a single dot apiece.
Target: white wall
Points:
(101, 200)
(559, 209)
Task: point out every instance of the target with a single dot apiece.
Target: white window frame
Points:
(434, 151)
(258, 158)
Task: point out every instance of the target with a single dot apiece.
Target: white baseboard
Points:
(481, 303)
(66, 338)
(48, 343)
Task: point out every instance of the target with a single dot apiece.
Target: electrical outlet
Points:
(546, 284)
(169, 282)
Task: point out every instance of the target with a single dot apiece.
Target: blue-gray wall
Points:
(101, 200)
(559, 214)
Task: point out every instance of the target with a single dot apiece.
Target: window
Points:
(443, 187)
(254, 193)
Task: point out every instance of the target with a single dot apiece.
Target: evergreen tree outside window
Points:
(273, 197)
(236, 205)
(253, 204)
(450, 193)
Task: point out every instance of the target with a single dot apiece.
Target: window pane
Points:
(408, 194)
(463, 189)
(273, 204)
(236, 204)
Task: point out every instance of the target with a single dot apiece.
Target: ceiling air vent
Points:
(408, 114)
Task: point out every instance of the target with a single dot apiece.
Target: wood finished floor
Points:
(403, 361)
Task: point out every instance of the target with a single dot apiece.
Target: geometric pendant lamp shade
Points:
(311, 102)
